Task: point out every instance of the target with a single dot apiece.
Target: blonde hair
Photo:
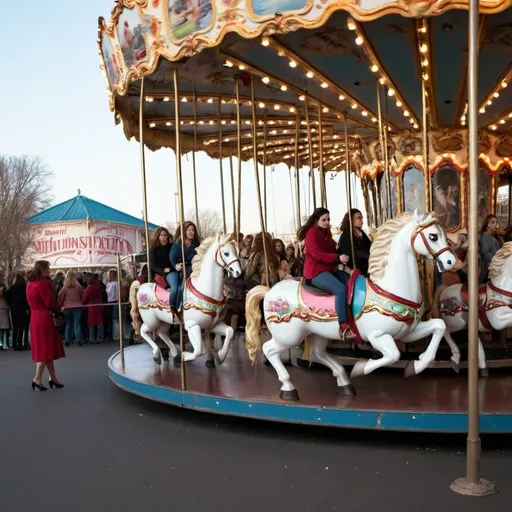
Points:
(382, 244)
(497, 263)
(70, 280)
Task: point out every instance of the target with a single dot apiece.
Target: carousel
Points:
(411, 98)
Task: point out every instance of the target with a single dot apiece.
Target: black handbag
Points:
(58, 320)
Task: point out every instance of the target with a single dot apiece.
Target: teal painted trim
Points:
(325, 416)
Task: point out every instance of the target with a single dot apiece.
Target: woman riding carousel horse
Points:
(361, 242)
(192, 242)
(322, 260)
(159, 256)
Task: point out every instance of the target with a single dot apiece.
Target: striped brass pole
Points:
(379, 213)
(349, 193)
(310, 150)
(387, 176)
(233, 197)
(323, 191)
(181, 211)
(196, 207)
(221, 170)
(258, 190)
(297, 175)
(239, 157)
(143, 173)
(265, 209)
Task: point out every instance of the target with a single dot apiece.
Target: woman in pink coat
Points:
(44, 338)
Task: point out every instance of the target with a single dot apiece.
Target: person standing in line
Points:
(70, 297)
(46, 345)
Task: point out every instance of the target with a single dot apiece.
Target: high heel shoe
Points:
(58, 385)
(38, 386)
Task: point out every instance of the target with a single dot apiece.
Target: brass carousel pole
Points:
(221, 170)
(233, 199)
(310, 150)
(472, 484)
(143, 173)
(239, 156)
(181, 211)
(194, 161)
(297, 175)
(265, 170)
(387, 177)
(321, 153)
(379, 214)
(258, 191)
(120, 307)
(426, 171)
(349, 194)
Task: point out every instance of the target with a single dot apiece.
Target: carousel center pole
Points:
(143, 173)
(194, 161)
(472, 484)
(258, 191)
(181, 211)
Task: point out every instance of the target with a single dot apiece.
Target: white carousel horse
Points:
(495, 305)
(203, 301)
(385, 309)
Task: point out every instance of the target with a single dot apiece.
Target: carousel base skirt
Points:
(430, 402)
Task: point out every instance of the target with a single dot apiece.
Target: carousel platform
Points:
(431, 402)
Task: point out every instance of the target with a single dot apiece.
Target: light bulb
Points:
(424, 48)
(310, 74)
(265, 79)
(374, 68)
(359, 40)
(265, 41)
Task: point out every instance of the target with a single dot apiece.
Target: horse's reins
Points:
(418, 230)
(226, 264)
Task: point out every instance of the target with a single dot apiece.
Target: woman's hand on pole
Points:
(344, 259)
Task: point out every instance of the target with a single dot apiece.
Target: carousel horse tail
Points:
(253, 316)
(134, 311)
(437, 296)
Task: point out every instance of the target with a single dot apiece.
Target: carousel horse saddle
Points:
(161, 295)
(482, 294)
(316, 299)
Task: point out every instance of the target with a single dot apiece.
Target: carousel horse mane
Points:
(382, 243)
(202, 250)
(497, 263)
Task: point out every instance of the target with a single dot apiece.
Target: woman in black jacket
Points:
(159, 254)
(362, 243)
(16, 297)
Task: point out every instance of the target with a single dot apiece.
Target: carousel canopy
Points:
(315, 67)
(82, 208)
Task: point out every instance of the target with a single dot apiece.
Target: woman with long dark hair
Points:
(159, 255)
(360, 240)
(490, 243)
(191, 242)
(44, 339)
(322, 260)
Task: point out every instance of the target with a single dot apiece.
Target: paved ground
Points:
(92, 447)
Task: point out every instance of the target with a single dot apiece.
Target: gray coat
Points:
(489, 246)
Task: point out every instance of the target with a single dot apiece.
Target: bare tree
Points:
(210, 222)
(25, 189)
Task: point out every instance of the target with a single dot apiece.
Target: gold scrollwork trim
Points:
(133, 3)
(305, 315)
(192, 305)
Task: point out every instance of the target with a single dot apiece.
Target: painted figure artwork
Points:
(414, 195)
(131, 37)
(270, 7)
(446, 196)
(384, 195)
(189, 16)
(110, 60)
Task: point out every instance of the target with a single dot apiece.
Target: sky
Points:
(54, 105)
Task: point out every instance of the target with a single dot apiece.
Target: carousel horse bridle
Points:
(223, 263)
(418, 230)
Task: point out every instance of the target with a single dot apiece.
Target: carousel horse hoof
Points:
(484, 372)
(455, 366)
(177, 361)
(292, 395)
(210, 363)
(358, 369)
(157, 358)
(218, 360)
(165, 355)
(410, 370)
(347, 390)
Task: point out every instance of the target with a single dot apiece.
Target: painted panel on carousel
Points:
(186, 17)
(271, 7)
(110, 59)
(414, 194)
(446, 196)
(132, 37)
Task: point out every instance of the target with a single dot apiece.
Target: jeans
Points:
(96, 333)
(334, 282)
(174, 280)
(73, 323)
(168, 279)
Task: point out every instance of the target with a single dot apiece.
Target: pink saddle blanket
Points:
(162, 296)
(320, 304)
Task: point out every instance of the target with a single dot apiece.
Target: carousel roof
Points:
(83, 208)
(310, 65)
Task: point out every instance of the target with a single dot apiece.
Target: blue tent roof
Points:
(82, 208)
